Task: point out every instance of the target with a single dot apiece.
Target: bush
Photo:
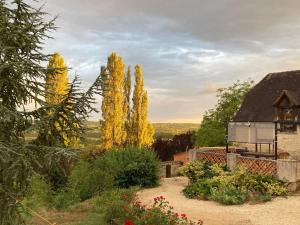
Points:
(122, 207)
(64, 198)
(130, 166)
(214, 182)
(200, 189)
(160, 213)
(229, 194)
(115, 168)
(86, 180)
(39, 194)
(198, 169)
(113, 203)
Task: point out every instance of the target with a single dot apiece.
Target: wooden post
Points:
(276, 147)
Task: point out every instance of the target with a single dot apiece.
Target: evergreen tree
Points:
(112, 126)
(142, 130)
(23, 30)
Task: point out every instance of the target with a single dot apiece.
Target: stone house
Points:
(269, 118)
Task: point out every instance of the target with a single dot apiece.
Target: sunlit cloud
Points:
(187, 49)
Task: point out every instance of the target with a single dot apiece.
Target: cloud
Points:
(181, 45)
(210, 88)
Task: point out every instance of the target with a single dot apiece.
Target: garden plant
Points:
(215, 182)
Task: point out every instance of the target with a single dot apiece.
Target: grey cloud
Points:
(183, 46)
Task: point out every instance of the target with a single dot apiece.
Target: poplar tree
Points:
(57, 85)
(142, 131)
(148, 130)
(57, 79)
(127, 109)
(112, 125)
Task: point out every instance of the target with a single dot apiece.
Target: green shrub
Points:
(64, 198)
(214, 182)
(199, 169)
(40, 193)
(86, 180)
(130, 166)
(113, 204)
(121, 168)
(200, 189)
(229, 194)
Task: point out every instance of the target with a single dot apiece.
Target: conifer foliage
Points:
(23, 29)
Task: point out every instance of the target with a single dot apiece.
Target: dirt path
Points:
(280, 211)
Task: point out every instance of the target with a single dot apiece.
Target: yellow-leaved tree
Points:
(127, 108)
(57, 81)
(113, 117)
(141, 129)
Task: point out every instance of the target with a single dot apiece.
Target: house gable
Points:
(275, 90)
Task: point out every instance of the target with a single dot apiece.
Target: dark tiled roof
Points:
(259, 102)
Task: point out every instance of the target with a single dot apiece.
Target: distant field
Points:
(168, 130)
(163, 130)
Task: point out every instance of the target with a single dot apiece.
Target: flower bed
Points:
(214, 182)
(160, 213)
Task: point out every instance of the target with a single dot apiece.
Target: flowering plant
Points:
(160, 213)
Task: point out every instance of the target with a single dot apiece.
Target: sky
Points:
(187, 48)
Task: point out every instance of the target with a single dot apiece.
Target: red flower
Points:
(128, 222)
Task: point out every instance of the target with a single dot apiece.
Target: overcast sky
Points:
(187, 48)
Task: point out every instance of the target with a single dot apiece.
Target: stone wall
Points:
(175, 165)
(290, 143)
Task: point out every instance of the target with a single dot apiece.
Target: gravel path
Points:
(280, 211)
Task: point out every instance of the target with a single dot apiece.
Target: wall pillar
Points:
(231, 160)
(287, 169)
(192, 155)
